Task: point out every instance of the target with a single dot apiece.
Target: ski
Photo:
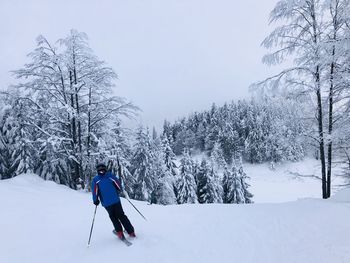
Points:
(124, 240)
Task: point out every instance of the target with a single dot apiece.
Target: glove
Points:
(97, 202)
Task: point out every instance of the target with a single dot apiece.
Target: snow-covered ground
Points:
(289, 181)
(43, 222)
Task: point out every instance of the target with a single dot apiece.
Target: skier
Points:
(106, 188)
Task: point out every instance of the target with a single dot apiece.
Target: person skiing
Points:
(106, 188)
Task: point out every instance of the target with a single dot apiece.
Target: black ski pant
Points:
(116, 214)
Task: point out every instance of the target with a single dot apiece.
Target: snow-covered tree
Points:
(141, 166)
(10, 156)
(207, 190)
(262, 130)
(16, 147)
(227, 186)
(336, 77)
(217, 156)
(301, 33)
(169, 156)
(314, 33)
(243, 182)
(121, 168)
(68, 93)
(235, 187)
(185, 185)
(163, 192)
(216, 183)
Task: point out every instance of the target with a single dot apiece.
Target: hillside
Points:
(44, 222)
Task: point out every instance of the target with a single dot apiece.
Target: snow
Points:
(342, 196)
(45, 222)
(289, 181)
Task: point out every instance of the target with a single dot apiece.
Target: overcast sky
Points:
(172, 57)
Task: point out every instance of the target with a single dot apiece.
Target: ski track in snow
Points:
(45, 222)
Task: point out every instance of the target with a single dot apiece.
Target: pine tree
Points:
(215, 181)
(255, 143)
(15, 151)
(169, 156)
(235, 187)
(141, 167)
(185, 185)
(233, 192)
(127, 180)
(206, 192)
(228, 186)
(163, 192)
(9, 155)
(213, 131)
(243, 183)
(217, 156)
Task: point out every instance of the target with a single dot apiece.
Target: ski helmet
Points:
(101, 168)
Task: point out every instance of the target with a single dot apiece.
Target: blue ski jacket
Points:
(106, 188)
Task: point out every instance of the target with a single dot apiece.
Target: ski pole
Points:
(92, 226)
(135, 207)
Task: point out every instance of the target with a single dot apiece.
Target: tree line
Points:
(157, 175)
(62, 117)
(258, 130)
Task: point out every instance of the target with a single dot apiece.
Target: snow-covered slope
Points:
(43, 222)
(289, 181)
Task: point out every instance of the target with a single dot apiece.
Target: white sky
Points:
(173, 57)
